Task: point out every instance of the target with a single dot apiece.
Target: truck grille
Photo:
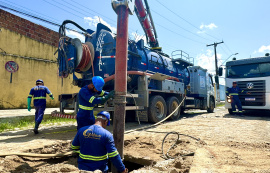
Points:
(257, 92)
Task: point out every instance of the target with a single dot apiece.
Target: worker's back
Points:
(94, 143)
(39, 93)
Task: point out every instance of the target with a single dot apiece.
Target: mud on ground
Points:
(227, 144)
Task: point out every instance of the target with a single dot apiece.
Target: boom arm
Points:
(145, 18)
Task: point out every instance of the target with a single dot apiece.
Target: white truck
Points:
(253, 76)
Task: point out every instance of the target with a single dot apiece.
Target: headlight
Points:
(229, 100)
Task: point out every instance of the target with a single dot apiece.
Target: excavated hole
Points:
(132, 162)
(61, 147)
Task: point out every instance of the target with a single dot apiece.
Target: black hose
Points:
(63, 27)
(167, 156)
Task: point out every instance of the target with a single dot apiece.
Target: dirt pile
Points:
(147, 151)
(59, 147)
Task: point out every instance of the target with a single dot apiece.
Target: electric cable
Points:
(185, 19)
(32, 10)
(179, 25)
(36, 17)
(179, 34)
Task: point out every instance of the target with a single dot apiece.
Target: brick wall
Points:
(27, 28)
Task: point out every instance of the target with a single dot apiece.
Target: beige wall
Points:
(14, 95)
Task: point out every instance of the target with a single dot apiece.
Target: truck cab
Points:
(253, 76)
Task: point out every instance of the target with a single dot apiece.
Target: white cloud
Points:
(264, 48)
(95, 20)
(210, 26)
(200, 32)
(207, 60)
(137, 37)
(74, 34)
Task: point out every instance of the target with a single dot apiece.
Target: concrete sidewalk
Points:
(7, 113)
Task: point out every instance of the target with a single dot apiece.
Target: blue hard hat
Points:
(106, 114)
(98, 82)
(39, 81)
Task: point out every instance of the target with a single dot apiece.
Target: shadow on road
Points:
(252, 115)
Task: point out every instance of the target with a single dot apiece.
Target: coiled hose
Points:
(167, 156)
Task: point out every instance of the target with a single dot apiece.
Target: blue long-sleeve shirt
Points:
(39, 93)
(234, 91)
(96, 145)
(87, 100)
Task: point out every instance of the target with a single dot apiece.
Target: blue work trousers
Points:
(84, 120)
(39, 113)
(236, 101)
(87, 167)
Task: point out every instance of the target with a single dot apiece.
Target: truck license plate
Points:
(250, 99)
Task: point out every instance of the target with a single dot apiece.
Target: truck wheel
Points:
(157, 109)
(211, 106)
(172, 104)
(230, 111)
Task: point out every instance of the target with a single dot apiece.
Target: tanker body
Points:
(156, 83)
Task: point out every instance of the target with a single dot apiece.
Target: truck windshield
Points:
(248, 70)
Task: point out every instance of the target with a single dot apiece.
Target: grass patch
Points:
(220, 104)
(17, 123)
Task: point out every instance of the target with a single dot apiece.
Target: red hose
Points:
(85, 58)
(137, 73)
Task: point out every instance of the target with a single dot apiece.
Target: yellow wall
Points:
(14, 95)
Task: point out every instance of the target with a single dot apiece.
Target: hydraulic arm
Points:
(145, 18)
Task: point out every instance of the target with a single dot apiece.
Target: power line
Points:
(30, 10)
(90, 10)
(179, 26)
(228, 47)
(102, 15)
(179, 34)
(61, 8)
(184, 19)
(36, 17)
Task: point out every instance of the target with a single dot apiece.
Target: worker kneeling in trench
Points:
(95, 144)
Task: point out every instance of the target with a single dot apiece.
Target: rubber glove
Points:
(107, 97)
(110, 95)
(28, 104)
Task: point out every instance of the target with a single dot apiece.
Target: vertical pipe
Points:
(120, 79)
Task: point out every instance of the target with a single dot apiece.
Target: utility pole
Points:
(216, 64)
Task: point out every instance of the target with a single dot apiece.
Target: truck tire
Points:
(211, 106)
(157, 109)
(172, 103)
(230, 111)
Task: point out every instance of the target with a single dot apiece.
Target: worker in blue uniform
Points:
(90, 95)
(95, 146)
(234, 92)
(39, 93)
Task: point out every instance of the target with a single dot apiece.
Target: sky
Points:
(190, 25)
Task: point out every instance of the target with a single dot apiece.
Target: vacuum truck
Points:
(156, 84)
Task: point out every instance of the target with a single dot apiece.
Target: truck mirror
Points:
(220, 71)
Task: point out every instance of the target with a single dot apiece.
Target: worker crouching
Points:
(96, 145)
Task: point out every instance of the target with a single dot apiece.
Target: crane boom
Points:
(145, 18)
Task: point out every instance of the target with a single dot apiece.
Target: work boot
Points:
(241, 114)
(36, 128)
